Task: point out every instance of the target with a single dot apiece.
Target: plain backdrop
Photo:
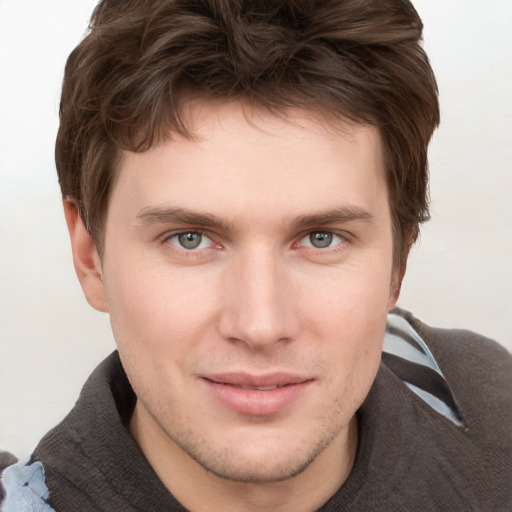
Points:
(459, 275)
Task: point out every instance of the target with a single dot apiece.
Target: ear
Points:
(399, 273)
(396, 286)
(85, 257)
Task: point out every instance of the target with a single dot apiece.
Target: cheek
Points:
(156, 311)
(348, 315)
(353, 297)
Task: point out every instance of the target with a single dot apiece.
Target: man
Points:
(242, 183)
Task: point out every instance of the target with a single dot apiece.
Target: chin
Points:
(266, 461)
(255, 469)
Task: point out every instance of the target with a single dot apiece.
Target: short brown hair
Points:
(125, 84)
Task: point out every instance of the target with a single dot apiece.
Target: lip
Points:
(256, 395)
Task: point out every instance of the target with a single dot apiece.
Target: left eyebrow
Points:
(148, 216)
(342, 214)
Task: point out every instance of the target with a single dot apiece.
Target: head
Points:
(127, 82)
(247, 178)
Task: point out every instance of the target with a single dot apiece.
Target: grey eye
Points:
(320, 239)
(190, 240)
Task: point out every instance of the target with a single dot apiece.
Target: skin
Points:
(258, 296)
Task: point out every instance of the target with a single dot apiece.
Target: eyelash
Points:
(343, 238)
(175, 236)
(332, 234)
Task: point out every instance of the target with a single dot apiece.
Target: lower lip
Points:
(256, 402)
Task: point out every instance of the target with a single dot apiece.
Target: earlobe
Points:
(394, 292)
(396, 286)
(399, 271)
(85, 258)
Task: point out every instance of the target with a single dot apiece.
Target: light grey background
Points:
(460, 275)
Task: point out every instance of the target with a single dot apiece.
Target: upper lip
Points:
(241, 379)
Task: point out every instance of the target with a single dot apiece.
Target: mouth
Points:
(257, 395)
(262, 388)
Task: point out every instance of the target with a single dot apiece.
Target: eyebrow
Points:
(158, 215)
(331, 216)
(148, 216)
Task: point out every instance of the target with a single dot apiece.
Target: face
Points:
(248, 274)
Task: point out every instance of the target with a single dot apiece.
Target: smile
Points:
(261, 388)
(256, 396)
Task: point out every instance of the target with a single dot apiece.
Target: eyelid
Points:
(342, 235)
(170, 235)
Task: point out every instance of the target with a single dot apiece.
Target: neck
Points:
(183, 476)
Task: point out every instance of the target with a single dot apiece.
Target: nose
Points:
(258, 307)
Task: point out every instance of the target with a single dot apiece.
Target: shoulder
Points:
(455, 412)
(471, 362)
(478, 372)
(23, 486)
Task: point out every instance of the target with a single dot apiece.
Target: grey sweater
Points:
(411, 457)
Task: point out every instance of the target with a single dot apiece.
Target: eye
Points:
(190, 240)
(321, 239)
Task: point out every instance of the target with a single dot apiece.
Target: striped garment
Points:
(406, 356)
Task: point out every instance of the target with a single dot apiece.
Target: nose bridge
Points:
(258, 309)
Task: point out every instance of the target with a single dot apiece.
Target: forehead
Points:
(241, 156)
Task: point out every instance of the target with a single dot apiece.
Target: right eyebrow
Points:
(149, 216)
(342, 214)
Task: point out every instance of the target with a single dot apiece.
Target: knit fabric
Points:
(410, 456)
